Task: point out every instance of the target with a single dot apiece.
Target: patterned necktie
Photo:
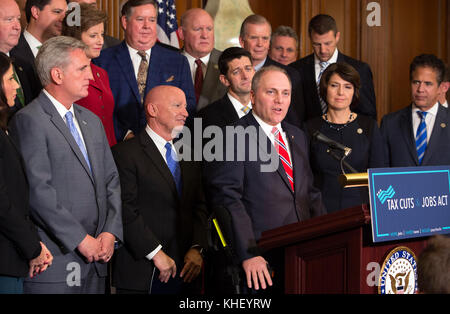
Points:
(421, 136)
(281, 148)
(174, 166)
(142, 74)
(77, 137)
(198, 83)
(245, 109)
(20, 94)
(323, 67)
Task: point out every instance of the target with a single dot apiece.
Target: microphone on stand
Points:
(333, 144)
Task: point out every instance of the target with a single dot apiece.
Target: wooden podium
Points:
(333, 253)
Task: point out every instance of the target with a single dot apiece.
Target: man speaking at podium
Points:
(259, 199)
(419, 135)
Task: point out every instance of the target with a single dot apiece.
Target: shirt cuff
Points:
(153, 253)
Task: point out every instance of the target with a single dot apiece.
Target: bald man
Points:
(163, 206)
(197, 32)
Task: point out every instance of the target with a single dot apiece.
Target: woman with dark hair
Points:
(339, 88)
(91, 31)
(21, 252)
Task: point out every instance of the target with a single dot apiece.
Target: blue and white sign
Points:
(409, 202)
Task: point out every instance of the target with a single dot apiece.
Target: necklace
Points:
(341, 126)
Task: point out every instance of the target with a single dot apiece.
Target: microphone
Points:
(322, 138)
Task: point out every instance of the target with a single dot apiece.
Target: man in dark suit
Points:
(236, 73)
(44, 18)
(265, 181)
(255, 36)
(324, 37)
(74, 183)
(164, 212)
(9, 38)
(197, 32)
(419, 135)
(137, 65)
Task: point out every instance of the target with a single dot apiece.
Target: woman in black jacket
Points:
(21, 252)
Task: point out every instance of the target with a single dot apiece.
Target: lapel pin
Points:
(359, 131)
(84, 122)
(98, 75)
(443, 125)
(170, 79)
(20, 69)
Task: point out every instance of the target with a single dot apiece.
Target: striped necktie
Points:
(421, 136)
(323, 67)
(245, 109)
(281, 148)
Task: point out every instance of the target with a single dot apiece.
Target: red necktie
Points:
(198, 84)
(281, 148)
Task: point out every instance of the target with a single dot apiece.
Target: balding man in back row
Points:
(197, 32)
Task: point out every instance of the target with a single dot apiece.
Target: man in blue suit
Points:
(137, 65)
(419, 135)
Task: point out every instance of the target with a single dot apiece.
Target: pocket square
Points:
(170, 79)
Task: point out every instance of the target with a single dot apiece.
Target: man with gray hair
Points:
(74, 184)
(284, 45)
(255, 37)
(259, 200)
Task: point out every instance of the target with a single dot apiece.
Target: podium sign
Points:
(409, 202)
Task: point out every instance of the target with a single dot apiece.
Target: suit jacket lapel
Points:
(440, 124)
(228, 112)
(211, 77)
(155, 64)
(406, 128)
(126, 66)
(87, 137)
(153, 153)
(59, 123)
(315, 107)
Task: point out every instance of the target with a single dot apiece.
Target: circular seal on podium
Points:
(398, 274)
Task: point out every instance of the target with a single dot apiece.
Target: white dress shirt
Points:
(429, 119)
(62, 110)
(32, 42)
(333, 59)
(238, 106)
(193, 65)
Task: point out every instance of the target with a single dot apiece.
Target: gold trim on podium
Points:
(352, 180)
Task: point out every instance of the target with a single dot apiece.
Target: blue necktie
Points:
(174, 167)
(421, 136)
(77, 137)
(323, 104)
